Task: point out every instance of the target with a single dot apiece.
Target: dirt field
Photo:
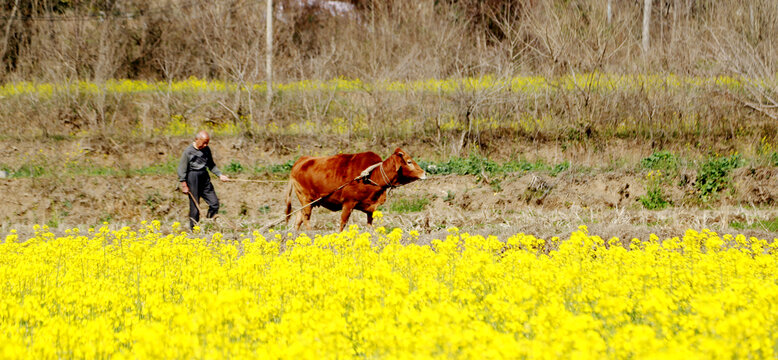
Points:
(531, 202)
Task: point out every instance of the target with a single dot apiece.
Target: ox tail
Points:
(289, 199)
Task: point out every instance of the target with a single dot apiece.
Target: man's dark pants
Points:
(199, 183)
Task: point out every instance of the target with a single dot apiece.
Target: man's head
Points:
(201, 139)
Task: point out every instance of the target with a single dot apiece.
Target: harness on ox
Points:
(366, 175)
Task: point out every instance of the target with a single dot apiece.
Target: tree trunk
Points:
(8, 29)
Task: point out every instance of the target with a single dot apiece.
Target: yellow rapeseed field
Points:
(150, 292)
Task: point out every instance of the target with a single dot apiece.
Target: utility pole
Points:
(646, 25)
(269, 53)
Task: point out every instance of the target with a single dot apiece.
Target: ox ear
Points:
(399, 152)
(399, 162)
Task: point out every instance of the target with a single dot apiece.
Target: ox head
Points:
(407, 170)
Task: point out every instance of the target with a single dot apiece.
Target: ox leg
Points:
(347, 208)
(299, 221)
(369, 218)
(304, 217)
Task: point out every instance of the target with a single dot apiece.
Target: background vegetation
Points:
(720, 50)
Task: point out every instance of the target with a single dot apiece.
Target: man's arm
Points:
(210, 164)
(183, 166)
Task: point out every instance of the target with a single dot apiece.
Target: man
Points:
(194, 178)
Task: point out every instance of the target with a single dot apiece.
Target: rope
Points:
(386, 178)
(258, 181)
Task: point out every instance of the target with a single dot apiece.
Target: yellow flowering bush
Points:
(521, 84)
(149, 292)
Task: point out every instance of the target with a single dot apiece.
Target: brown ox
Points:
(315, 178)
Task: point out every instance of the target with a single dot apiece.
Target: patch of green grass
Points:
(53, 222)
(524, 165)
(558, 168)
(408, 205)
(450, 196)
(168, 167)
(472, 165)
(276, 169)
(90, 169)
(476, 165)
(654, 199)
(98, 171)
(661, 160)
(765, 225)
(29, 170)
(154, 199)
(234, 167)
(661, 164)
(8, 171)
(713, 175)
(496, 185)
(106, 218)
(43, 169)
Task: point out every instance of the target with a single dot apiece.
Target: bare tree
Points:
(749, 53)
(237, 58)
(8, 28)
(736, 55)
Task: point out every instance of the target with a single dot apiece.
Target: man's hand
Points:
(184, 188)
(224, 178)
